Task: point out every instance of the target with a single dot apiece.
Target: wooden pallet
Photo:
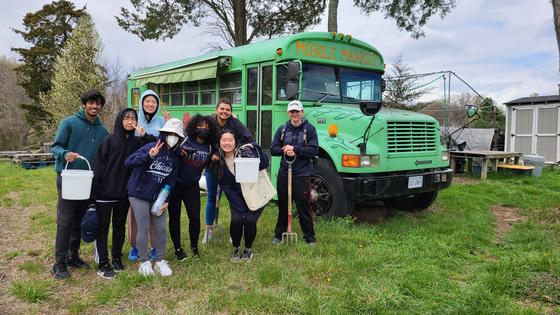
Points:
(10, 154)
(33, 160)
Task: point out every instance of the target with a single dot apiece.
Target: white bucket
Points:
(247, 170)
(76, 184)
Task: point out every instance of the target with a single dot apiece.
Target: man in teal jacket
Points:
(77, 135)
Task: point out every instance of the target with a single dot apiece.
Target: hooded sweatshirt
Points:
(156, 122)
(303, 165)
(77, 134)
(149, 175)
(110, 174)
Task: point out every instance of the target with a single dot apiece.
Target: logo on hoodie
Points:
(161, 168)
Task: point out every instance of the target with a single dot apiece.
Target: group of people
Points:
(148, 152)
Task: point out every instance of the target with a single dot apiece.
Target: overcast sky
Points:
(504, 49)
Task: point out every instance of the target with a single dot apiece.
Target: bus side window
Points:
(281, 81)
(208, 91)
(134, 97)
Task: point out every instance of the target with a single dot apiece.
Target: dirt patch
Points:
(372, 212)
(505, 218)
(460, 180)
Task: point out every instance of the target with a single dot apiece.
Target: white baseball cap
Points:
(295, 105)
(173, 125)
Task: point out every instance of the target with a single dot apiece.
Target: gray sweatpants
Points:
(143, 216)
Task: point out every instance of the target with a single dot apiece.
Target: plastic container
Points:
(76, 184)
(160, 200)
(246, 170)
(535, 161)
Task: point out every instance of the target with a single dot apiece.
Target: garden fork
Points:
(289, 238)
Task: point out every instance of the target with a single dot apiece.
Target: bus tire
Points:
(328, 198)
(413, 203)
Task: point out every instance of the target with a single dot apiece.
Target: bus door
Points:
(259, 103)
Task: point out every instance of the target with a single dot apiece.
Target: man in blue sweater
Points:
(77, 135)
(297, 141)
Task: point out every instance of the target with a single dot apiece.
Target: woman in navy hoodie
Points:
(243, 220)
(196, 151)
(109, 187)
(155, 165)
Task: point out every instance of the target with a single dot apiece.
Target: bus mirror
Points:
(293, 71)
(382, 85)
(370, 108)
(471, 110)
(292, 90)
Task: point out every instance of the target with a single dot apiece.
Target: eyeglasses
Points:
(129, 119)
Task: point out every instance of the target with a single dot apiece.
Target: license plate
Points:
(415, 182)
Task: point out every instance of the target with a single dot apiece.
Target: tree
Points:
(333, 16)
(238, 22)
(409, 15)
(402, 88)
(15, 130)
(76, 70)
(491, 116)
(46, 30)
(556, 14)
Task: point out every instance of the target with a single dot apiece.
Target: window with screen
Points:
(230, 87)
(208, 92)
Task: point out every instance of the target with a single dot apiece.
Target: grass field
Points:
(484, 247)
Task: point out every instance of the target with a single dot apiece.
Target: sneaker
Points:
(236, 255)
(105, 271)
(118, 265)
(162, 268)
(205, 238)
(276, 241)
(310, 244)
(145, 268)
(77, 262)
(153, 254)
(247, 255)
(60, 271)
(195, 252)
(133, 255)
(180, 254)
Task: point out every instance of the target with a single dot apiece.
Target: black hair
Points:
(197, 120)
(224, 100)
(217, 167)
(92, 95)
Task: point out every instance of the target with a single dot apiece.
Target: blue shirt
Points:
(192, 165)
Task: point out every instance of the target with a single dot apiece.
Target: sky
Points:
(504, 49)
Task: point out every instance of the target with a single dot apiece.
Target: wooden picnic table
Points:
(493, 156)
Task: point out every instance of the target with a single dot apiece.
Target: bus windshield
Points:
(339, 85)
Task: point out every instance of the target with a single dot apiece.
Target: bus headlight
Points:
(444, 156)
(356, 160)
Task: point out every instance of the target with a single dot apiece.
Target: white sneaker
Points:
(208, 234)
(163, 269)
(145, 268)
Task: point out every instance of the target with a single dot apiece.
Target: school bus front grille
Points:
(405, 137)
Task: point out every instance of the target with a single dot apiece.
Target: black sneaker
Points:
(247, 255)
(77, 262)
(60, 271)
(236, 255)
(180, 254)
(105, 271)
(118, 265)
(195, 252)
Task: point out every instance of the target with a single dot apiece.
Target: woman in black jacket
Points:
(109, 187)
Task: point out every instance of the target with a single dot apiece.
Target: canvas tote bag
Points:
(258, 194)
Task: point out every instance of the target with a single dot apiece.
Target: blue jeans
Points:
(212, 189)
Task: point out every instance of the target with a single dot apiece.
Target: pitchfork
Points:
(289, 237)
(216, 231)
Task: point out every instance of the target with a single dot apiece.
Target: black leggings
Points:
(244, 225)
(119, 211)
(190, 195)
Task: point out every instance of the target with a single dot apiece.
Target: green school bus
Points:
(366, 152)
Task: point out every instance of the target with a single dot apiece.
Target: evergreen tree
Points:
(46, 30)
(402, 87)
(77, 69)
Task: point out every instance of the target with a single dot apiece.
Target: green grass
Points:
(444, 261)
(31, 291)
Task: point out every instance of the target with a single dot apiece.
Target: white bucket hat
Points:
(295, 105)
(173, 125)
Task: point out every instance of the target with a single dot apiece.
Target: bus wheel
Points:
(328, 198)
(414, 203)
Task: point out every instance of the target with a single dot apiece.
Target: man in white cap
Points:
(297, 139)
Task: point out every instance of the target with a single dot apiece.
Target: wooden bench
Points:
(519, 169)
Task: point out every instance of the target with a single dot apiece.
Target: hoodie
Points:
(77, 134)
(156, 122)
(110, 174)
(303, 165)
(149, 175)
